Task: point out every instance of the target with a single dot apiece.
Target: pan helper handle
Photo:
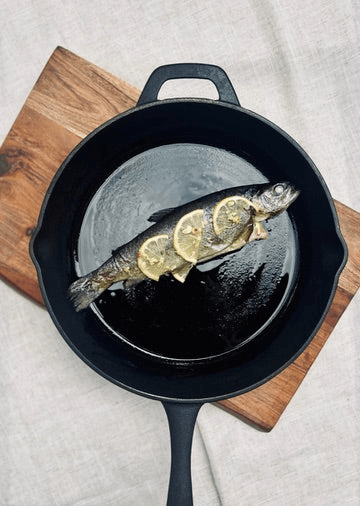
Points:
(213, 73)
(181, 417)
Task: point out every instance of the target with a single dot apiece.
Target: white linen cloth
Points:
(70, 438)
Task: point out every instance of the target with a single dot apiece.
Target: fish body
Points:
(181, 237)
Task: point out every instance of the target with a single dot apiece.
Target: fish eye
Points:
(278, 189)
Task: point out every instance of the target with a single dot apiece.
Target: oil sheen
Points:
(224, 303)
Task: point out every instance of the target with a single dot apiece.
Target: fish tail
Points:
(85, 290)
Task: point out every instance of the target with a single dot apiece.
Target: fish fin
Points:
(130, 283)
(159, 215)
(236, 245)
(83, 292)
(258, 232)
(181, 274)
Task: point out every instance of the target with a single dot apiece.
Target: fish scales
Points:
(181, 237)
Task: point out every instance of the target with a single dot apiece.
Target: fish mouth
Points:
(291, 194)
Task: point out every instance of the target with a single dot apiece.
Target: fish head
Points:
(272, 199)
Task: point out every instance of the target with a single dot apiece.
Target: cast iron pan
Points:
(237, 321)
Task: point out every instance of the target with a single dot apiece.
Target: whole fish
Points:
(198, 231)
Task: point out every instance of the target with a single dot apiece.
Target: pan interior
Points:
(224, 303)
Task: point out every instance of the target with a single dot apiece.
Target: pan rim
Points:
(39, 226)
(204, 101)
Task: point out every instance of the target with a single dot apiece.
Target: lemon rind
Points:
(218, 231)
(141, 257)
(196, 214)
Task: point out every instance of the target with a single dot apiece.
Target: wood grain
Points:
(263, 406)
(70, 99)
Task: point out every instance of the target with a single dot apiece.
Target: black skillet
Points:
(237, 321)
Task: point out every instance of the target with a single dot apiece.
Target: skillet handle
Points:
(188, 71)
(181, 418)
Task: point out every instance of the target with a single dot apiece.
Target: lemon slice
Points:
(230, 216)
(152, 256)
(188, 235)
(181, 273)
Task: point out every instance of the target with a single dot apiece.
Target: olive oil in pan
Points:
(223, 303)
(216, 310)
(163, 177)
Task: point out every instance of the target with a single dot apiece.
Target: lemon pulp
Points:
(152, 255)
(188, 234)
(230, 215)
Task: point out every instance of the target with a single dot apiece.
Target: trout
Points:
(198, 231)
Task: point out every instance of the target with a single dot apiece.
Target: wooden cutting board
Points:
(71, 98)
